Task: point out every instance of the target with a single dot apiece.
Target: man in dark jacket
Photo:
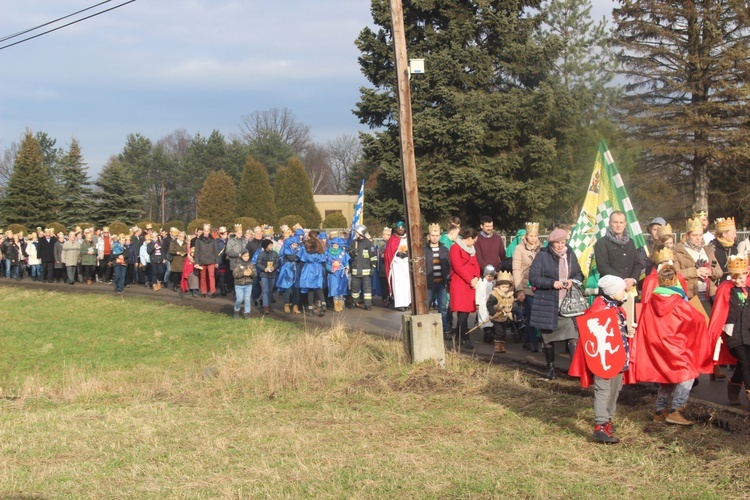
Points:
(615, 253)
(46, 253)
(363, 262)
(437, 267)
(206, 256)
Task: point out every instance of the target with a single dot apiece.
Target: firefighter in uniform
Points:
(363, 262)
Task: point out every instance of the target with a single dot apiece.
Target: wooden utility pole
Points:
(408, 164)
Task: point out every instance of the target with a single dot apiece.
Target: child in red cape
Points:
(606, 391)
(728, 320)
(672, 347)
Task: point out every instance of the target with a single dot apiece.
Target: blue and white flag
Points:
(358, 218)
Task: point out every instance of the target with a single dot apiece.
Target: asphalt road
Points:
(381, 321)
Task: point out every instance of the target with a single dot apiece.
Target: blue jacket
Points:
(312, 274)
(338, 283)
(289, 263)
(542, 276)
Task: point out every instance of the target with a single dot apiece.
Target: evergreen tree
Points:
(296, 196)
(278, 182)
(74, 187)
(270, 149)
(687, 63)
(255, 197)
(118, 195)
(487, 115)
(29, 196)
(585, 68)
(217, 201)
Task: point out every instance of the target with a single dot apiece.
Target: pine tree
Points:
(217, 201)
(686, 102)
(118, 195)
(29, 198)
(255, 198)
(74, 186)
(278, 182)
(296, 196)
(486, 114)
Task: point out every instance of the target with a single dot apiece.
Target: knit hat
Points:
(266, 241)
(557, 235)
(489, 270)
(610, 285)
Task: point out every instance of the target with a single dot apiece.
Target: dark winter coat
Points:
(616, 259)
(178, 261)
(206, 252)
(542, 276)
(445, 264)
(46, 249)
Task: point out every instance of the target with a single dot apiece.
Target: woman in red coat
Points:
(464, 276)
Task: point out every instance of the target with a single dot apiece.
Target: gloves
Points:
(401, 255)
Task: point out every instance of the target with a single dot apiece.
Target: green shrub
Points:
(144, 223)
(291, 220)
(18, 228)
(335, 221)
(57, 227)
(247, 223)
(197, 223)
(118, 227)
(178, 224)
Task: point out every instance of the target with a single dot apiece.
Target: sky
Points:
(155, 66)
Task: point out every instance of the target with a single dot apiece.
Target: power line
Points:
(51, 22)
(65, 25)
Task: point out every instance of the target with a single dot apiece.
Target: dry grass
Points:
(334, 414)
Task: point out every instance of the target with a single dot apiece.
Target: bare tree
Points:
(279, 120)
(344, 152)
(315, 159)
(7, 160)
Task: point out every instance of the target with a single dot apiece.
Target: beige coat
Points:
(523, 256)
(685, 265)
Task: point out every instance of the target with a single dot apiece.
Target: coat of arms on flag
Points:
(605, 194)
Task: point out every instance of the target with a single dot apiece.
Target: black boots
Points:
(549, 356)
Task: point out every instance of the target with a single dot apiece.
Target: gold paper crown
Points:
(664, 230)
(694, 224)
(267, 230)
(238, 226)
(700, 213)
(433, 227)
(668, 281)
(724, 224)
(532, 228)
(737, 263)
(505, 276)
(664, 255)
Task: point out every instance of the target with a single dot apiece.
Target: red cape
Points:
(650, 283)
(578, 366)
(187, 270)
(672, 342)
(391, 247)
(719, 313)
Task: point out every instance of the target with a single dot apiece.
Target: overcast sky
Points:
(154, 66)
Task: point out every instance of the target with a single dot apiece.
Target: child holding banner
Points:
(603, 356)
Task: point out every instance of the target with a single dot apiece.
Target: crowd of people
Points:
(470, 274)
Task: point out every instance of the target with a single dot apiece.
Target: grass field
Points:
(105, 398)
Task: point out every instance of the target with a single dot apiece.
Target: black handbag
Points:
(574, 303)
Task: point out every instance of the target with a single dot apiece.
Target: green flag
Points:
(606, 193)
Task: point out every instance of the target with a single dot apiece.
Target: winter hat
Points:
(244, 251)
(557, 235)
(489, 270)
(657, 220)
(610, 285)
(266, 241)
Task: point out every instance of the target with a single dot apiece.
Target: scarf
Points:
(725, 243)
(470, 250)
(696, 248)
(528, 245)
(562, 270)
(622, 241)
